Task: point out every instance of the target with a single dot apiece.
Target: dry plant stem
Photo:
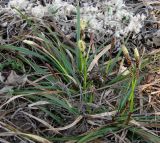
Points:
(92, 43)
(51, 70)
(82, 35)
(128, 118)
(113, 41)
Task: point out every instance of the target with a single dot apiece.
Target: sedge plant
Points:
(55, 80)
(128, 101)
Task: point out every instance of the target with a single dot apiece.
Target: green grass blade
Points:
(147, 136)
(96, 134)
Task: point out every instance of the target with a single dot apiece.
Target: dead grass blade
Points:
(143, 87)
(42, 121)
(56, 130)
(36, 138)
(11, 99)
(3, 141)
(38, 103)
(154, 52)
(103, 115)
(133, 122)
(41, 78)
(34, 37)
(70, 125)
(97, 57)
(155, 92)
(18, 96)
(11, 131)
(31, 136)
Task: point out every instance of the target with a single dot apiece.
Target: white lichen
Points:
(135, 23)
(39, 11)
(107, 16)
(19, 4)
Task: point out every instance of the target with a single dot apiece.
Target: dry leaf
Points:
(97, 57)
(122, 69)
(15, 80)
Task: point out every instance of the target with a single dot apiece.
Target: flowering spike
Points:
(136, 53)
(83, 24)
(126, 54)
(125, 50)
(137, 57)
(82, 45)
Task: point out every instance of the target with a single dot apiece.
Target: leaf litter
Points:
(13, 80)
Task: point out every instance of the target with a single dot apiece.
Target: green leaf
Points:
(23, 51)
